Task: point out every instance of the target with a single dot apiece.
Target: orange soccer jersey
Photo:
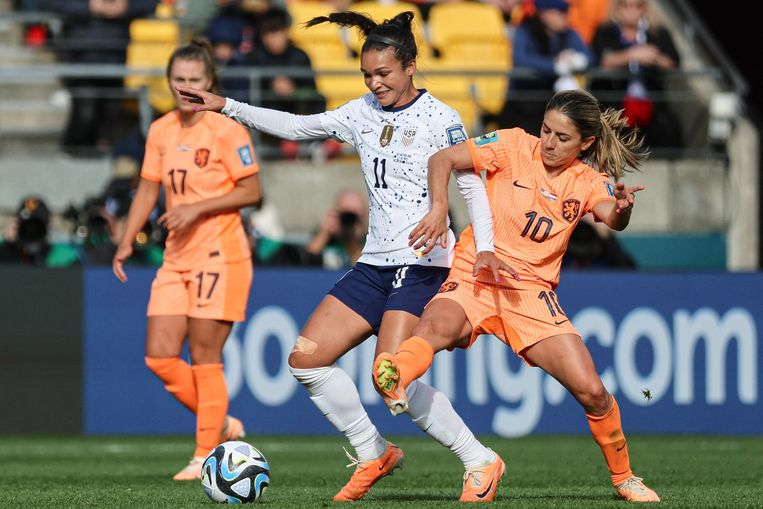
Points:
(534, 215)
(194, 164)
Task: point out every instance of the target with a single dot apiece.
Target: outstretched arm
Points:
(617, 214)
(277, 123)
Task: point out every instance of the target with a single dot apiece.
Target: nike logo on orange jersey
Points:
(517, 184)
(561, 322)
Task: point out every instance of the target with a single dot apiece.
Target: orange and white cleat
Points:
(368, 473)
(191, 472)
(633, 489)
(481, 483)
(233, 429)
(387, 382)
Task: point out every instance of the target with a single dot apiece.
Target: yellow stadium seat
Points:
(340, 88)
(471, 37)
(453, 90)
(383, 11)
(323, 35)
(328, 52)
(455, 23)
(152, 41)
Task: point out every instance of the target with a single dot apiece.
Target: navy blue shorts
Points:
(370, 290)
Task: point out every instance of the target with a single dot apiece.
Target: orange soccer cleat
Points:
(368, 473)
(191, 472)
(481, 483)
(388, 384)
(633, 489)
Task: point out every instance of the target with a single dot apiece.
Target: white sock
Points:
(336, 396)
(433, 413)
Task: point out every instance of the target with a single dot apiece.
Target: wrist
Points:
(439, 208)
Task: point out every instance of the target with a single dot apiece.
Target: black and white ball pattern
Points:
(235, 473)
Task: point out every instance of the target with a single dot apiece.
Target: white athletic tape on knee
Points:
(305, 345)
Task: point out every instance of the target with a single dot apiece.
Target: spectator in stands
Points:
(342, 233)
(198, 14)
(225, 33)
(100, 220)
(587, 15)
(295, 93)
(514, 11)
(266, 235)
(545, 45)
(636, 44)
(95, 32)
(292, 93)
(26, 238)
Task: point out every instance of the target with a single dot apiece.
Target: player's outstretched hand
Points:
(201, 99)
(431, 230)
(625, 196)
(487, 260)
(117, 264)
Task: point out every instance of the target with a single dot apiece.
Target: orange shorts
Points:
(213, 291)
(520, 315)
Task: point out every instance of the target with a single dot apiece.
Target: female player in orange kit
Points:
(207, 166)
(538, 189)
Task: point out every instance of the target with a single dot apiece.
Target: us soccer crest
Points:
(386, 135)
(570, 209)
(408, 135)
(201, 157)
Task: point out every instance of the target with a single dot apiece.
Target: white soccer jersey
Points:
(394, 145)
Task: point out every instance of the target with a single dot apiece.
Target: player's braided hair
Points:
(617, 148)
(198, 49)
(396, 32)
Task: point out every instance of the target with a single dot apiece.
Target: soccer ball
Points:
(235, 473)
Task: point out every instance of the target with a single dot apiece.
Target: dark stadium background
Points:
(737, 28)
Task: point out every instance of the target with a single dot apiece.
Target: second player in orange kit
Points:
(206, 164)
(538, 188)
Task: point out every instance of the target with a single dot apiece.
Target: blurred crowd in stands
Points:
(553, 44)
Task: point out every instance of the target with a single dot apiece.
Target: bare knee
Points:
(594, 398)
(205, 352)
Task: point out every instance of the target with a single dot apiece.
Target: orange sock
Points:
(213, 405)
(413, 358)
(607, 430)
(177, 377)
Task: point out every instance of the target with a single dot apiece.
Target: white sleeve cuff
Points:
(475, 195)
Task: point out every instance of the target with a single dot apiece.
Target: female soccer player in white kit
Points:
(395, 129)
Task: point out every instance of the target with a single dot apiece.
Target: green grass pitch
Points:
(543, 471)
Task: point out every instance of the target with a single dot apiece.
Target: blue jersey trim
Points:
(404, 106)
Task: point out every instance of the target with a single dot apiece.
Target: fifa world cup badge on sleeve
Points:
(486, 138)
(456, 134)
(245, 154)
